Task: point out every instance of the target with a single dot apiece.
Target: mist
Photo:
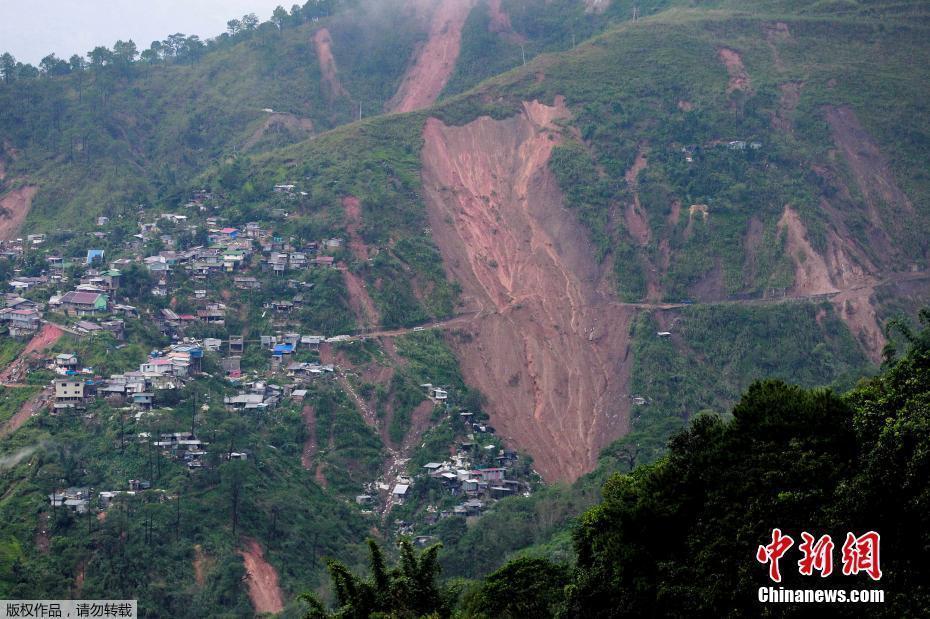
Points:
(31, 30)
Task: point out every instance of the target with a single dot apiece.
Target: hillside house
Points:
(69, 393)
(144, 400)
(277, 263)
(236, 344)
(65, 363)
(95, 256)
(75, 499)
(490, 474)
(16, 302)
(21, 322)
(78, 303)
(214, 313)
(399, 493)
(21, 283)
(246, 283)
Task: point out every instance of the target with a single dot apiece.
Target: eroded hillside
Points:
(550, 350)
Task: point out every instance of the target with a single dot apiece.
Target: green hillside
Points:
(751, 184)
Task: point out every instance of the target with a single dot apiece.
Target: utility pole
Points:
(523, 52)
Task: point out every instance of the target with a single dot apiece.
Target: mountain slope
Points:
(747, 179)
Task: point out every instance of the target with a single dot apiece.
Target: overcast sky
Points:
(30, 29)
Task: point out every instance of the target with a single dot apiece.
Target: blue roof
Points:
(283, 348)
(93, 254)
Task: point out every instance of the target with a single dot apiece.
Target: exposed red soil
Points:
(360, 301)
(857, 309)
(200, 565)
(29, 408)
(636, 222)
(842, 268)
(739, 78)
(279, 122)
(14, 207)
(310, 444)
(353, 216)
(47, 337)
(711, 286)
(262, 579)
(548, 351)
(811, 275)
(500, 21)
(685, 106)
(435, 60)
(869, 167)
(419, 423)
(323, 44)
(15, 372)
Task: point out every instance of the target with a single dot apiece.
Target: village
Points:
(191, 287)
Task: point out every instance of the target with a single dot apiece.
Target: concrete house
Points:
(69, 393)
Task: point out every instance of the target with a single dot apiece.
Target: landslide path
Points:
(323, 44)
(549, 352)
(435, 60)
(14, 206)
(262, 580)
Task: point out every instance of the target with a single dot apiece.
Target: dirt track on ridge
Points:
(435, 60)
(550, 349)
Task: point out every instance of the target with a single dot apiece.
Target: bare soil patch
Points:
(14, 207)
(549, 349)
(500, 22)
(435, 60)
(739, 78)
(310, 444)
(869, 167)
(811, 274)
(360, 301)
(261, 579)
(323, 44)
(201, 564)
(279, 122)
